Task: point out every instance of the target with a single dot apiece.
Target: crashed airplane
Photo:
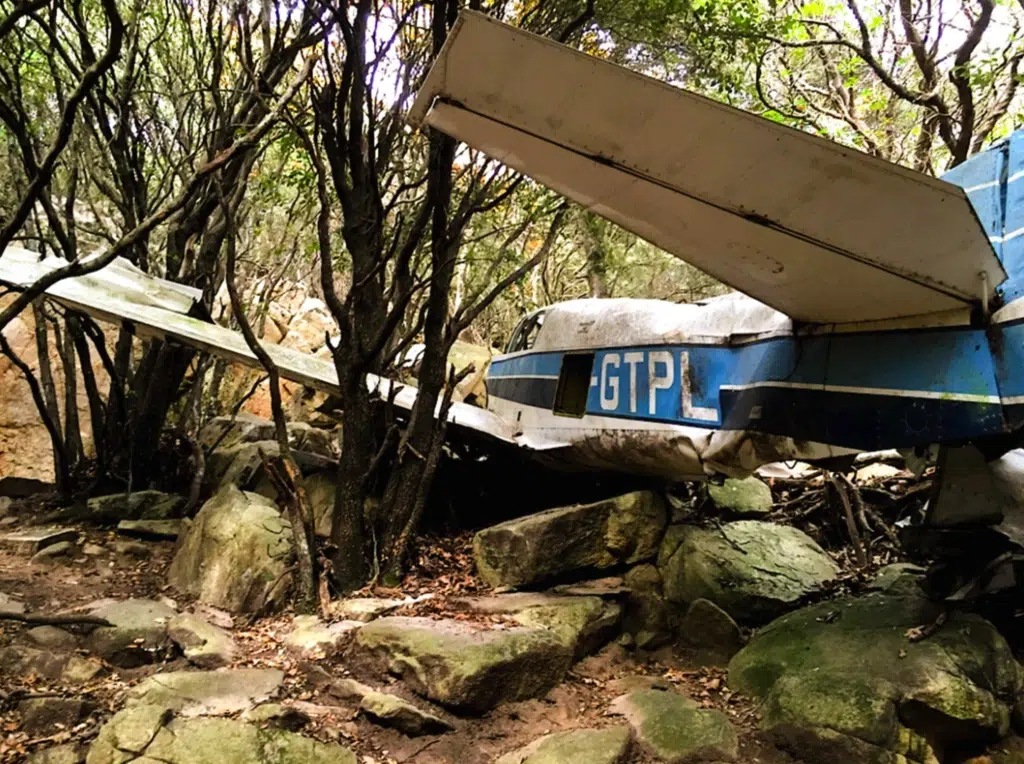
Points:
(876, 308)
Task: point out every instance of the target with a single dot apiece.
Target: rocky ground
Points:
(636, 629)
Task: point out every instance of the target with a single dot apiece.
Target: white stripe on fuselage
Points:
(928, 394)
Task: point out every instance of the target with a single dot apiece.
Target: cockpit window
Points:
(525, 335)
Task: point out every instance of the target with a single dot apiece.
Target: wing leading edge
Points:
(818, 231)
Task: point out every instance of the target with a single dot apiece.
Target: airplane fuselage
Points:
(736, 400)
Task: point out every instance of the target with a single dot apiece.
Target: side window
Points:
(574, 384)
(526, 333)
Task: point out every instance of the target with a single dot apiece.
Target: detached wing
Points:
(820, 232)
(121, 293)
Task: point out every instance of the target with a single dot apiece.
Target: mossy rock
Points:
(584, 624)
(674, 728)
(138, 635)
(841, 680)
(464, 666)
(753, 570)
(235, 554)
(207, 692)
(585, 746)
(150, 734)
(529, 550)
(743, 498)
(140, 505)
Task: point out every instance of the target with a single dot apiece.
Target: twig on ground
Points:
(55, 620)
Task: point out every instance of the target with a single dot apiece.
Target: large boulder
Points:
(467, 666)
(584, 746)
(235, 554)
(153, 734)
(673, 728)
(841, 681)
(623, 530)
(753, 570)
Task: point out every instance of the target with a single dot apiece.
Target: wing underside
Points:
(818, 231)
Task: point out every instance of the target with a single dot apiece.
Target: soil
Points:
(440, 565)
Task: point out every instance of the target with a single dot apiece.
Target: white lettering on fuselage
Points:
(704, 414)
(632, 359)
(660, 378)
(609, 383)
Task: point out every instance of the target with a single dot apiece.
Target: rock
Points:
(675, 729)
(5, 505)
(49, 554)
(624, 685)
(204, 645)
(69, 753)
(390, 710)
(840, 681)
(242, 466)
(650, 618)
(9, 605)
(467, 666)
(235, 554)
(207, 693)
(706, 625)
(311, 637)
(901, 579)
(877, 471)
(320, 491)
(365, 609)
(584, 746)
(52, 638)
(45, 716)
(610, 586)
(93, 550)
(749, 497)
(623, 530)
(132, 549)
(280, 716)
(155, 530)
(213, 615)
(49, 664)
(252, 429)
(140, 505)
(584, 624)
(150, 734)
(753, 570)
(32, 540)
(138, 636)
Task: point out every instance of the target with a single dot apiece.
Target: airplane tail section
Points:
(818, 231)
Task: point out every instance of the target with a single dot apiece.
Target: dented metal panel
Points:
(821, 232)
